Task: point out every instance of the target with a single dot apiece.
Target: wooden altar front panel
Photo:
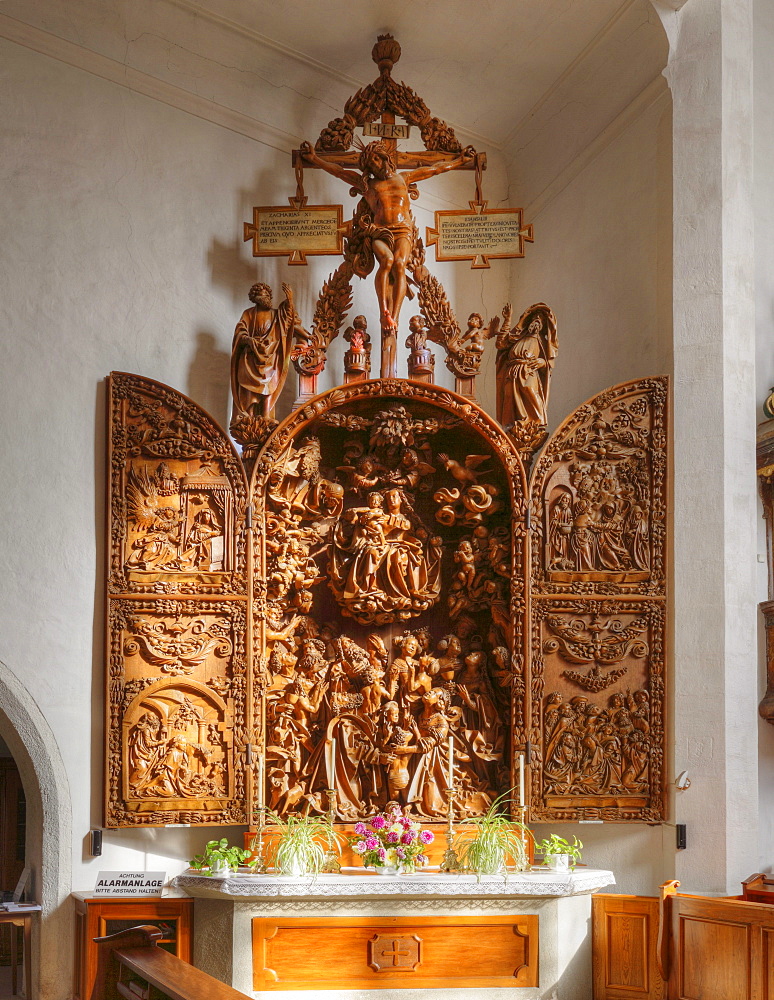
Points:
(395, 952)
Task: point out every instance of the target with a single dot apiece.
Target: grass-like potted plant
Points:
(489, 844)
(219, 857)
(302, 843)
(559, 854)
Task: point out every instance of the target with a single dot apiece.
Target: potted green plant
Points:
(485, 844)
(303, 839)
(559, 854)
(220, 857)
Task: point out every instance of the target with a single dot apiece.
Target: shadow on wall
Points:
(209, 377)
(49, 832)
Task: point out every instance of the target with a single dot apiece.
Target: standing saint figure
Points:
(525, 359)
(260, 353)
(387, 225)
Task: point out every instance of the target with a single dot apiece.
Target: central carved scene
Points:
(388, 623)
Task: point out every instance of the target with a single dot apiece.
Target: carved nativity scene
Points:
(389, 593)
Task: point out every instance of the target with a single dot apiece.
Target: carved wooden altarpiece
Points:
(375, 582)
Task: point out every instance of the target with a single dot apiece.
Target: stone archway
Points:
(49, 831)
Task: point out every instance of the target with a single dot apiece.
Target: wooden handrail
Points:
(135, 952)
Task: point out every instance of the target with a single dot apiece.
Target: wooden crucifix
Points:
(382, 232)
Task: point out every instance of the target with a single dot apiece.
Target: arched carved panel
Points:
(390, 604)
(599, 495)
(599, 489)
(177, 495)
(177, 691)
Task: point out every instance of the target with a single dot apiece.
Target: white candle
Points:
(332, 776)
(521, 780)
(451, 761)
(260, 782)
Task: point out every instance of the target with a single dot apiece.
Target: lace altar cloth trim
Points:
(367, 884)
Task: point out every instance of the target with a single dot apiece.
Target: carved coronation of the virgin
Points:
(388, 594)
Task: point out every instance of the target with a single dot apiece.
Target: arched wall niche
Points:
(49, 832)
(417, 501)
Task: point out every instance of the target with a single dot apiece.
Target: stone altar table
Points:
(334, 923)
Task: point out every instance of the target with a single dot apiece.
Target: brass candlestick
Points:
(524, 838)
(450, 863)
(331, 864)
(259, 865)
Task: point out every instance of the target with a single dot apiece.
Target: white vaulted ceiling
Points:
(537, 79)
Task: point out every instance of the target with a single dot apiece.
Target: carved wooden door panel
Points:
(599, 494)
(390, 602)
(178, 689)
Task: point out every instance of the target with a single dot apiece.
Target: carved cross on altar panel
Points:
(386, 951)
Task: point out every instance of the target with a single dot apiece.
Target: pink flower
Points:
(382, 854)
(378, 822)
(401, 853)
(421, 859)
(393, 837)
(408, 837)
(360, 847)
(371, 843)
(406, 822)
(426, 837)
(360, 829)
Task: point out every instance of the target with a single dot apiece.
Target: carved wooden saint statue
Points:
(383, 226)
(525, 360)
(260, 356)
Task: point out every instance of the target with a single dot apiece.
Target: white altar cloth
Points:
(355, 882)
(225, 908)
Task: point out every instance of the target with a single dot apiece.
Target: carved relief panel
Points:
(177, 495)
(177, 613)
(599, 495)
(598, 582)
(391, 606)
(598, 669)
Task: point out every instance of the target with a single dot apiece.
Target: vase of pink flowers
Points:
(391, 842)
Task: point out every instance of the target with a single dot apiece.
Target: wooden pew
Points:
(715, 948)
(132, 967)
(758, 889)
(682, 947)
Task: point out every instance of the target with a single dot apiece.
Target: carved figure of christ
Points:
(391, 232)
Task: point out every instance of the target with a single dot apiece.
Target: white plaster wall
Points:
(602, 260)
(122, 251)
(764, 324)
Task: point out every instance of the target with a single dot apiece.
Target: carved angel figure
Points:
(525, 359)
(158, 544)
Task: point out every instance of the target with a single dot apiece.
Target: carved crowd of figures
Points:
(389, 713)
(591, 750)
(374, 537)
(599, 517)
